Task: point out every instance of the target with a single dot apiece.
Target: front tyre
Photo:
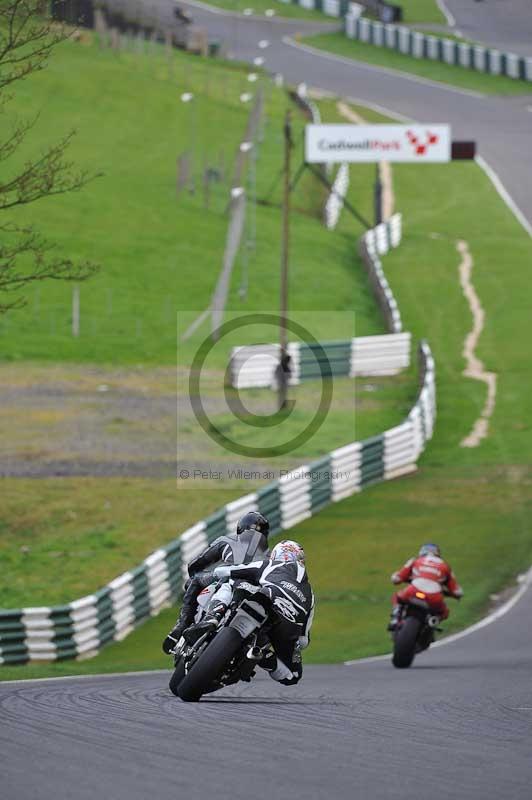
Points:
(405, 643)
(210, 665)
(177, 676)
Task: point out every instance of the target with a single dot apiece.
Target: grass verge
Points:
(259, 7)
(423, 11)
(340, 45)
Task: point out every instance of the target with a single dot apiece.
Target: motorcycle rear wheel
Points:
(210, 665)
(405, 640)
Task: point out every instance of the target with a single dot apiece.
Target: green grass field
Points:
(340, 45)
(131, 222)
(421, 11)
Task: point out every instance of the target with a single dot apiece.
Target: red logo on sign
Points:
(421, 148)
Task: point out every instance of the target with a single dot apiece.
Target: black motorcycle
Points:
(415, 630)
(227, 654)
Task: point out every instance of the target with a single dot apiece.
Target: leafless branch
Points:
(27, 39)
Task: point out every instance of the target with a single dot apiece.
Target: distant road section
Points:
(502, 126)
(504, 24)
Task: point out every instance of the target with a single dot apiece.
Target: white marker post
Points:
(75, 310)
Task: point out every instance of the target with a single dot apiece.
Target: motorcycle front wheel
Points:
(210, 665)
(405, 640)
(177, 675)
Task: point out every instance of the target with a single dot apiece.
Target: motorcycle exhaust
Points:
(254, 653)
(433, 622)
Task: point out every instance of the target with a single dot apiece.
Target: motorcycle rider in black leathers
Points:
(249, 543)
(285, 587)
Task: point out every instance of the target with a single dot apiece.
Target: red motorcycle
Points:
(422, 606)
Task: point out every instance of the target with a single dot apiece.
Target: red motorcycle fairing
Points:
(415, 594)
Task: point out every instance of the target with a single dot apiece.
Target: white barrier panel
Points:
(331, 8)
(380, 355)
(449, 49)
(335, 201)
(193, 542)
(378, 34)
(464, 54)
(404, 40)
(494, 62)
(236, 509)
(417, 44)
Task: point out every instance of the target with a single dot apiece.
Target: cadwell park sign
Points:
(366, 143)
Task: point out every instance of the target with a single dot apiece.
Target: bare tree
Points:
(27, 39)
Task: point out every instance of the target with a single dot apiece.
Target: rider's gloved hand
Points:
(222, 573)
(203, 579)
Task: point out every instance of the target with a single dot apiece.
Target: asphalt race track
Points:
(457, 724)
(505, 24)
(501, 126)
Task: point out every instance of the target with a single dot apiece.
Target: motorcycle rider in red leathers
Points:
(430, 574)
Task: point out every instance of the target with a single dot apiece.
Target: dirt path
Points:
(474, 366)
(388, 197)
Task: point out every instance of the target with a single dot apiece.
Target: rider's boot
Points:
(185, 619)
(394, 618)
(209, 623)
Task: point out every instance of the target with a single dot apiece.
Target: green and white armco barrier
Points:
(371, 246)
(253, 366)
(81, 628)
(450, 51)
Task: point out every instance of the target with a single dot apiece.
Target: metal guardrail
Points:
(254, 366)
(449, 51)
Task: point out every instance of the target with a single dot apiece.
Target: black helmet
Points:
(253, 521)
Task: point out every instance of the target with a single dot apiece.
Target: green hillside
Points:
(161, 254)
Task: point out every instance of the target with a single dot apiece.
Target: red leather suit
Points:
(431, 575)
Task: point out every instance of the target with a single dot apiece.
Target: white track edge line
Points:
(84, 677)
(451, 21)
(500, 188)
(386, 112)
(394, 73)
(504, 193)
(525, 582)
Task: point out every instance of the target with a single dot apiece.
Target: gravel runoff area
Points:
(77, 421)
(69, 420)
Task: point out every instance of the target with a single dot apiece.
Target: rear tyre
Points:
(210, 665)
(177, 676)
(405, 643)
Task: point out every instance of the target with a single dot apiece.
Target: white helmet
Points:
(288, 551)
